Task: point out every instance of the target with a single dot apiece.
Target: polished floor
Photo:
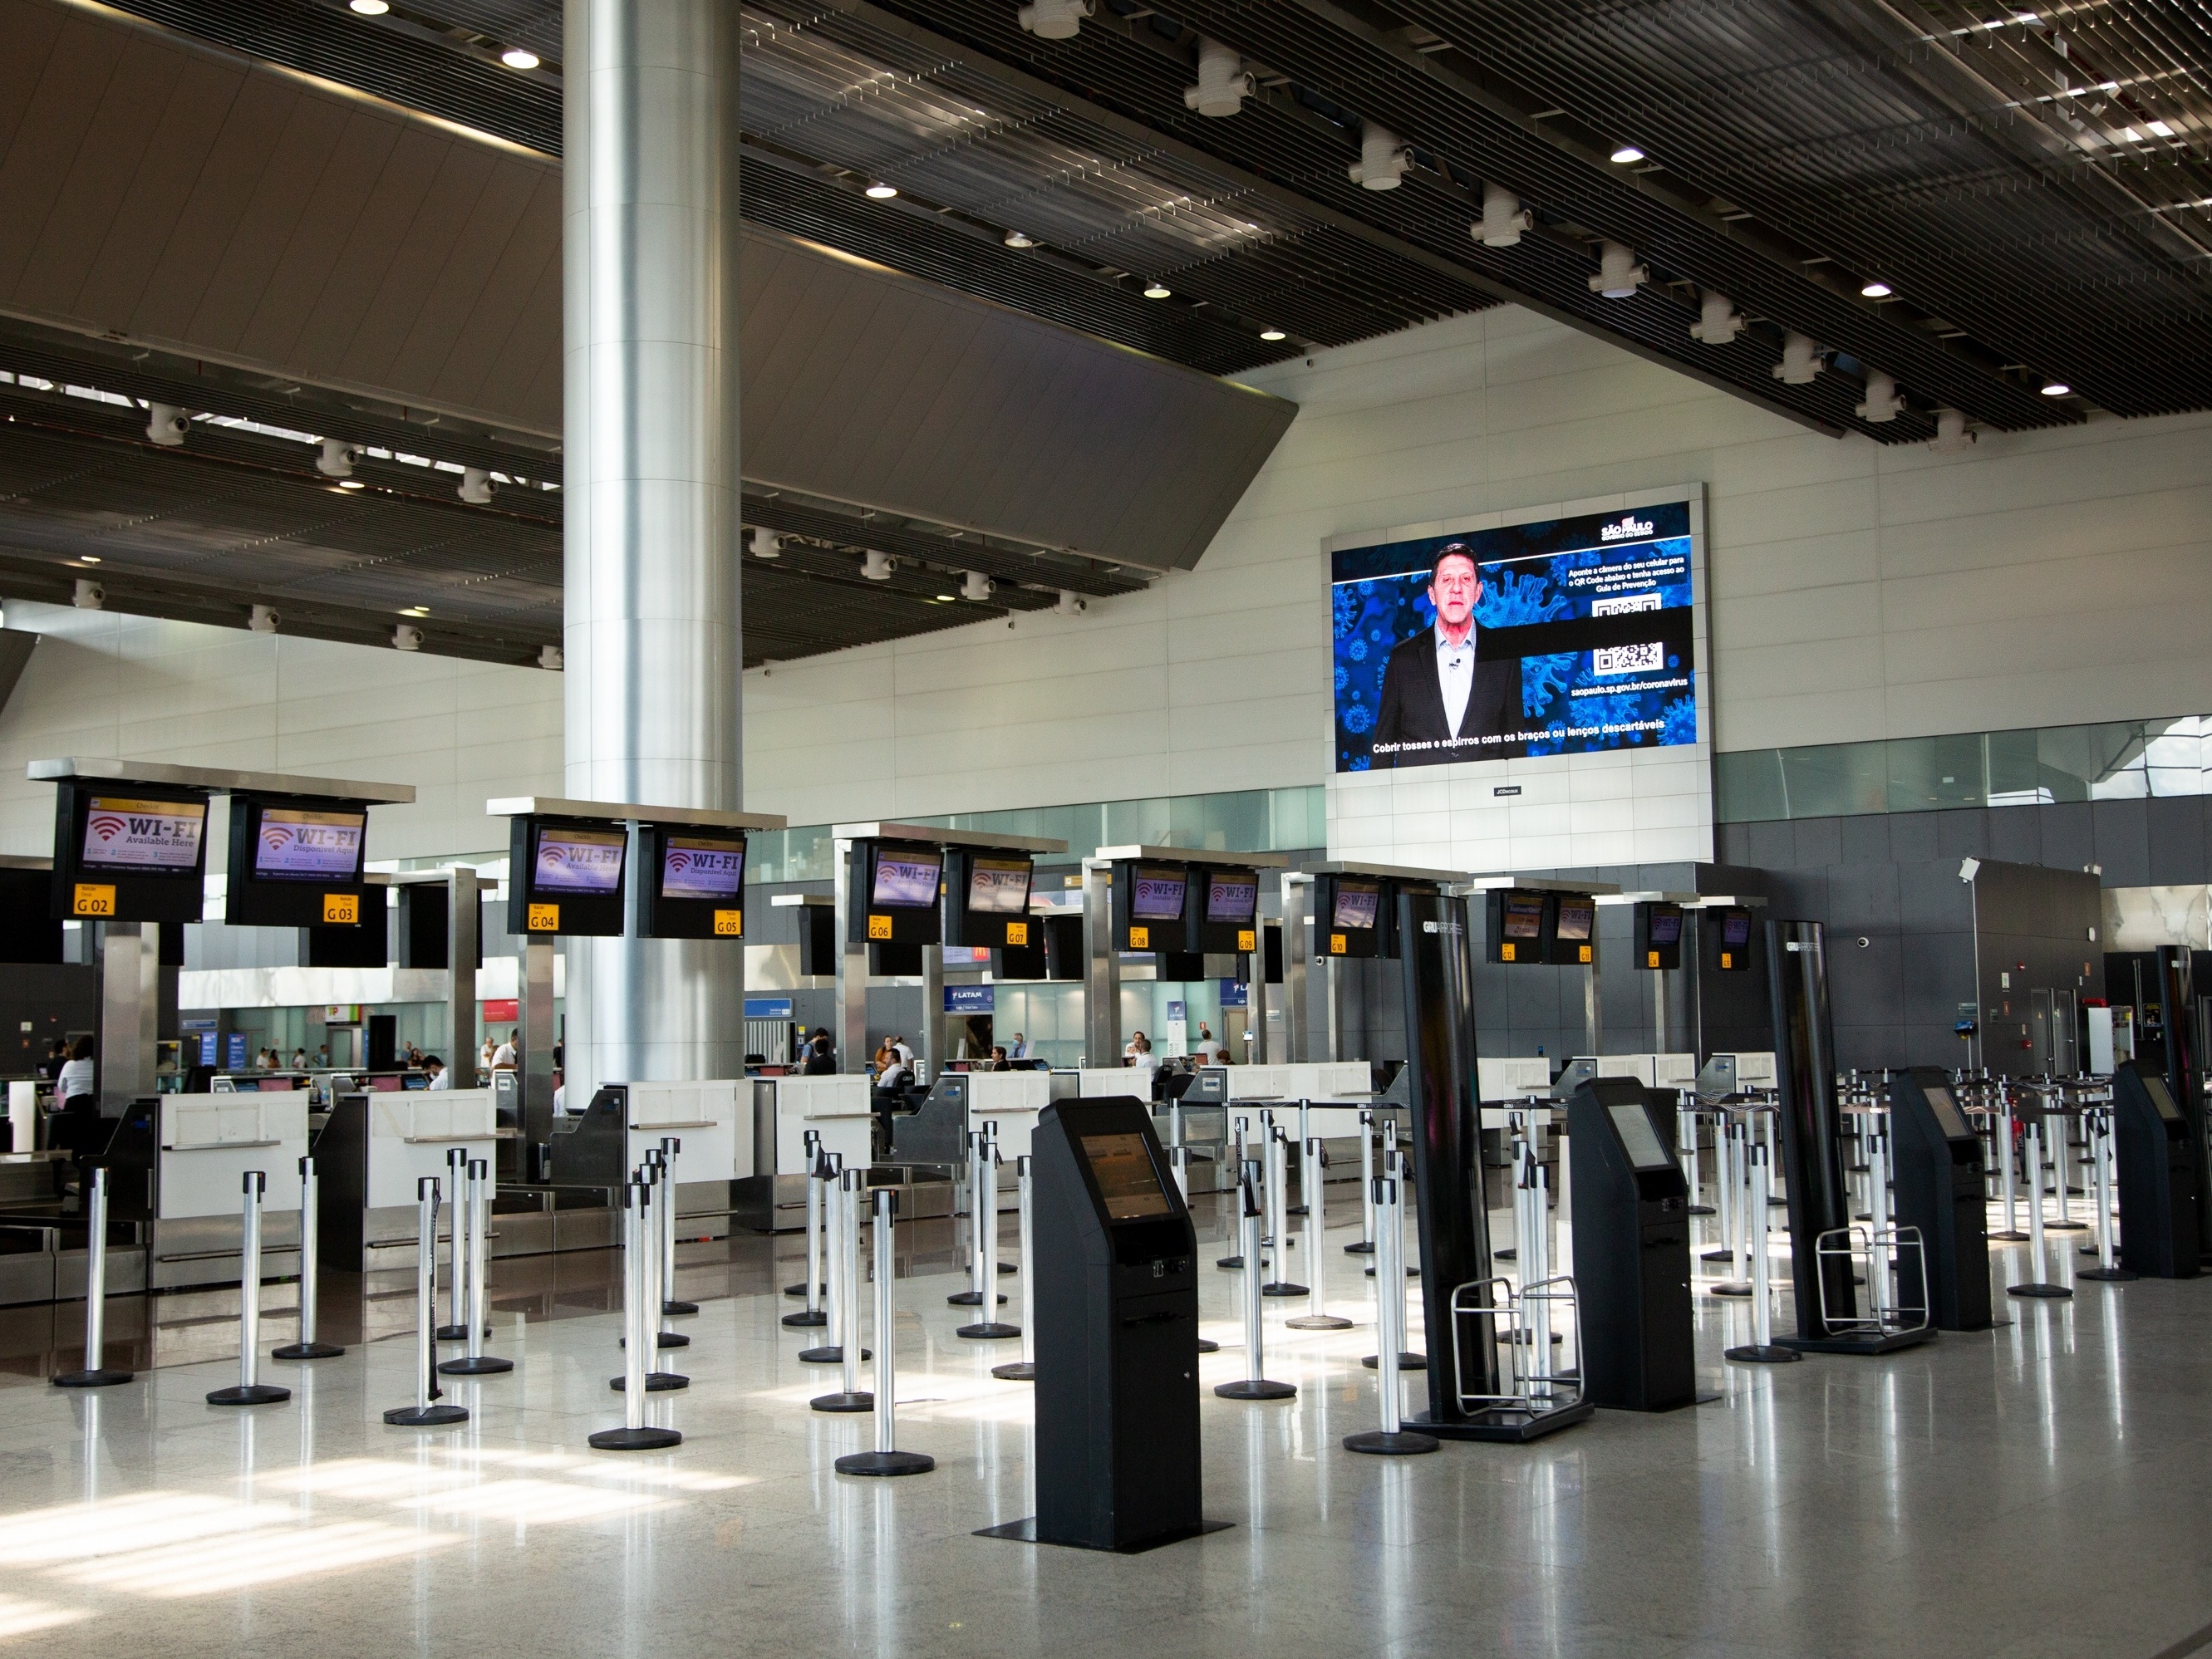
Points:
(2044, 1489)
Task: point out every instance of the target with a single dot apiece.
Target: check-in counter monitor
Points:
(1150, 903)
(1658, 936)
(691, 883)
(1728, 931)
(1226, 914)
(1632, 1222)
(1519, 926)
(1116, 1339)
(565, 877)
(129, 852)
(1354, 917)
(2158, 1175)
(987, 901)
(1574, 929)
(1938, 1177)
(895, 886)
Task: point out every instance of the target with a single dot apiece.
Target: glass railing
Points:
(1241, 820)
(2038, 766)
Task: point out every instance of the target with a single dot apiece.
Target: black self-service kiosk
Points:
(1632, 1252)
(1938, 1177)
(2157, 1159)
(1116, 1292)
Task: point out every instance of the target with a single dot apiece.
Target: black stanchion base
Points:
(832, 1355)
(1284, 1288)
(2006, 1237)
(634, 1440)
(2051, 1292)
(105, 1378)
(1509, 1254)
(426, 1417)
(2066, 1226)
(805, 1319)
(2107, 1275)
(1734, 1288)
(1514, 1427)
(1860, 1344)
(1207, 1345)
(453, 1333)
(885, 1463)
(1026, 1532)
(1407, 1361)
(1256, 1388)
(1411, 1273)
(1317, 1322)
(1716, 1255)
(1296, 1209)
(861, 1401)
(1363, 1248)
(991, 1330)
(1403, 1444)
(483, 1365)
(675, 1309)
(655, 1382)
(1752, 1354)
(665, 1339)
(260, 1393)
(1707, 1209)
(969, 1299)
(799, 1289)
(307, 1350)
(1229, 1263)
(1021, 1371)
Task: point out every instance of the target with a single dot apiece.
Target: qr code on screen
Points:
(1628, 659)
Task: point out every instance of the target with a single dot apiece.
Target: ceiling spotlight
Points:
(351, 483)
(1020, 239)
(1503, 219)
(767, 545)
(416, 611)
(1627, 154)
(1382, 161)
(519, 57)
(2056, 389)
(1877, 289)
(1053, 20)
(88, 558)
(371, 7)
(1953, 435)
(881, 191)
(878, 567)
(1619, 274)
(1883, 402)
(1157, 290)
(1800, 360)
(1272, 334)
(1717, 323)
(1223, 84)
(944, 599)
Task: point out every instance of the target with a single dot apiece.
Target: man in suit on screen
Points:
(1441, 695)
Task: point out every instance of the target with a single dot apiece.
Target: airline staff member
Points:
(439, 1077)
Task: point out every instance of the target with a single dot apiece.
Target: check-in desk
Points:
(839, 1108)
(177, 1166)
(712, 1121)
(370, 1156)
(936, 1137)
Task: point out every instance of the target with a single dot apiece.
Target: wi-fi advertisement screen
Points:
(296, 844)
(297, 863)
(127, 851)
(691, 883)
(565, 877)
(1560, 636)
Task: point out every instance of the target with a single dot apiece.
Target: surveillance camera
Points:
(549, 656)
(476, 486)
(1864, 941)
(90, 596)
(166, 424)
(1072, 603)
(405, 638)
(264, 619)
(337, 459)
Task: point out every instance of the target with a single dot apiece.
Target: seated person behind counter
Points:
(1142, 1059)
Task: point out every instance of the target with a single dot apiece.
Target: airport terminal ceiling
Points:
(1922, 206)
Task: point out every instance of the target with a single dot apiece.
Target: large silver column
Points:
(652, 638)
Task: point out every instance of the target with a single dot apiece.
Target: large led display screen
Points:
(1560, 636)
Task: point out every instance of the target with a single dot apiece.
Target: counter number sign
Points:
(1338, 944)
(1140, 939)
(879, 927)
(92, 898)
(544, 918)
(341, 909)
(729, 924)
(1018, 932)
(1247, 940)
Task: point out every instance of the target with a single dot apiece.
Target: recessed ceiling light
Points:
(882, 191)
(88, 558)
(1272, 334)
(1877, 289)
(1157, 291)
(1627, 154)
(416, 611)
(944, 599)
(351, 483)
(2056, 389)
(1020, 239)
(520, 58)
(372, 7)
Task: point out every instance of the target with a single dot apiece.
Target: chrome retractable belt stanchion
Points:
(1255, 1384)
(1724, 1205)
(988, 1330)
(2099, 1122)
(1024, 1369)
(1392, 1440)
(97, 1373)
(662, 1243)
(845, 1298)
(837, 1246)
(310, 1271)
(1305, 1115)
(1735, 1207)
(424, 1414)
(886, 1459)
(1762, 1350)
(655, 1177)
(981, 1214)
(2005, 1157)
(671, 1305)
(475, 1212)
(1394, 1171)
(250, 1389)
(457, 1249)
(811, 1286)
(1278, 1182)
(1366, 1245)
(1688, 1131)
(2036, 1287)
(1240, 1138)
(638, 1321)
(1313, 1175)
(1880, 1289)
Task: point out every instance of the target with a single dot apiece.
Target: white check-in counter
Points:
(840, 1110)
(713, 1120)
(202, 1148)
(377, 1146)
(1012, 1100)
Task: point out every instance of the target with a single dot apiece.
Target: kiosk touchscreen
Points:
(987, 901)
(1149, 901)
(297, 864)
(1227, 915)
(691, 883)
(1938, 1178)
(1631, 1221)
(1520, 926)
(565, 877)
(1354, 916)
(1117, 1298)
(1574, 929)
(2158, 1175)
(129, 852)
